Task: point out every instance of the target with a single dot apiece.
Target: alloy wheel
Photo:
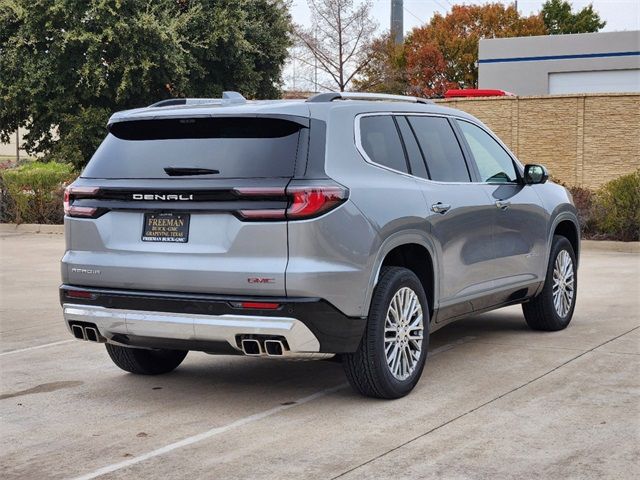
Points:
(563, 283)
(403, 333)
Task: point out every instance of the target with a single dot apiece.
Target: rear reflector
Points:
(79, 294)
(256, 305)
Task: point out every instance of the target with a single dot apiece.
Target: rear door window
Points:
(380, 140)
(234, 147)
(441, 149)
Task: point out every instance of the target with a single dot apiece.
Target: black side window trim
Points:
(415, 138)
(472, 168)
(404, 147)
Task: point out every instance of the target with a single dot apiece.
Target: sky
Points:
(619, 14)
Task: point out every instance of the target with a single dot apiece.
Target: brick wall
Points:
(583, 140)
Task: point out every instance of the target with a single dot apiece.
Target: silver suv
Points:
(348, 224)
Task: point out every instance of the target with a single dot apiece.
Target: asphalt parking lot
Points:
(496, 400)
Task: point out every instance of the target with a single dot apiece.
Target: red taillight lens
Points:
(72, 192)
(305, 201)
(256, 305)
(308, 202)
(79, 294)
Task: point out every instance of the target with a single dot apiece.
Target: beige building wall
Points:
(8, 150)
(583, 140)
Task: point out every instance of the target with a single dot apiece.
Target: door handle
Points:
(440, 208)
(503, 204)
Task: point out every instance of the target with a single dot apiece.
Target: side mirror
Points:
(534, 174)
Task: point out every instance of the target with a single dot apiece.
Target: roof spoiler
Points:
(228, 98)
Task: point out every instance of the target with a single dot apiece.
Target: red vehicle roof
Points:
(476, 92)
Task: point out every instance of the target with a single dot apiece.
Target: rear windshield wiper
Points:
(185, 171)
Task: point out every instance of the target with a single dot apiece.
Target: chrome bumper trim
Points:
(186, 326)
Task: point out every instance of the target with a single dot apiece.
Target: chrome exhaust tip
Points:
(251, 347)
(78, 332)
(92, 334)
(274, 348)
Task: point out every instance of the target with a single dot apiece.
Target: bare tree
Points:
(336, 42)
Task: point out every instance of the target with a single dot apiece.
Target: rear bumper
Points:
(209, 322)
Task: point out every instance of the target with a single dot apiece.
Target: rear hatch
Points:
(188, 204)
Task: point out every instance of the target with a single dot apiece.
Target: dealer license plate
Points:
(166, 227)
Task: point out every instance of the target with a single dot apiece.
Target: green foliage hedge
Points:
(613, 211)
(33, 192)
(617, 208)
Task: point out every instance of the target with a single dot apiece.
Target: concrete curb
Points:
(610, 246)
(31, 228)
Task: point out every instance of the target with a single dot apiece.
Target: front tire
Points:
(145, 362)
(552, 309)
(393, 350)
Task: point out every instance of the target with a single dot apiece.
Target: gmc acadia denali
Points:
(349, 224)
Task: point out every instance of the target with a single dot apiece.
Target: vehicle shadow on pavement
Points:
(236, 378)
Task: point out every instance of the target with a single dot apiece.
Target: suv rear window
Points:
(441, 149)
(235, 147)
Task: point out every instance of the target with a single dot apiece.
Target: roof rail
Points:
(228, 98)
(331, 96)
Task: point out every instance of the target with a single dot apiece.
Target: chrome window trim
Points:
(361, 150)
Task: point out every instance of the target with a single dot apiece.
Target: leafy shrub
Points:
(583, 198)
(617, 208)
(33, 192)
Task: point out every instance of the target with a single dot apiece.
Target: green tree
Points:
(559, 19)
(386, 69)
(444, 52)
(66, 65)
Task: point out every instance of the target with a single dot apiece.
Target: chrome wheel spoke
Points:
(563, 283)
(403, 333)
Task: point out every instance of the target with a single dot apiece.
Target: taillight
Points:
(304, 201)
(71, 193)
(308, 202)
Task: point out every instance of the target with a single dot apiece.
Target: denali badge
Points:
(166, 197)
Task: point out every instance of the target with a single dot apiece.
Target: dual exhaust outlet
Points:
(255, 347)
(86, 332)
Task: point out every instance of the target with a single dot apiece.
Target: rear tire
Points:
(145, 362)
(552, 309)
(393, 350)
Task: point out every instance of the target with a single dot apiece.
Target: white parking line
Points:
(20, 350)
(238, 423)
(208, 434)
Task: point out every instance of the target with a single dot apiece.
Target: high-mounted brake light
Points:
(305, 201)
(70, 193)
